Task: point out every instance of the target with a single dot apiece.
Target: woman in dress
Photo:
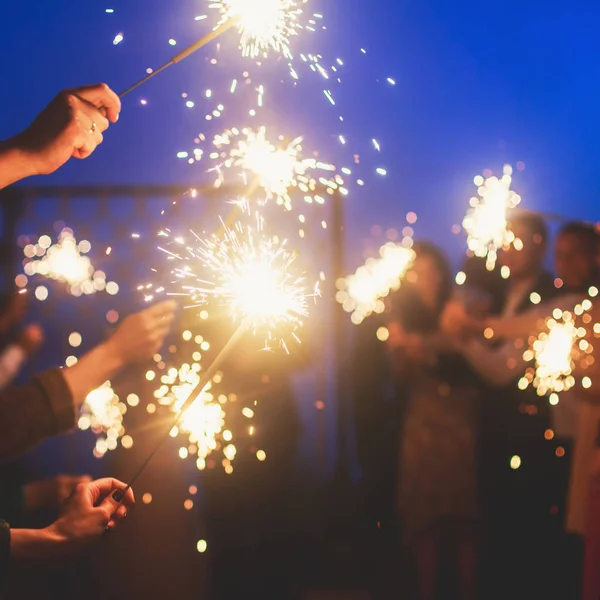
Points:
(437, 497)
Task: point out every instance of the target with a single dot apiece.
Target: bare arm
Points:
(70, 126)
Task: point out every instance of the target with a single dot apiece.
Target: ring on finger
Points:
(93, 127)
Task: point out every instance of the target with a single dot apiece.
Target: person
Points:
(516, 462)
(437, 495)
(71, 126)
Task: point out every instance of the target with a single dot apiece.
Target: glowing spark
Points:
(557, 350)
(64, 261)
(204, 420)
(118, 39)
(263, 24)
(486, 221)
(103, 412)
(361, 293)
(248, 273)
(278, 170)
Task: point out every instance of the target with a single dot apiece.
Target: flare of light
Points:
(362, 293)
(277, 168)
(102, 412)
(486, 222)
(249, 273)
(65, 261)
(204, 420)
(263, 25)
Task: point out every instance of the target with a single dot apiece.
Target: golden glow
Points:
(102, 412)
(251, 275)
(486, 222)
(362, 293)
(515, 462)
(263, 25)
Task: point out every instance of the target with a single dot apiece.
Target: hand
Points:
(89, 512)
(70, 126)
(456, 322)
(31, 338)
(397, 335)
(141, 336)
(51, 493)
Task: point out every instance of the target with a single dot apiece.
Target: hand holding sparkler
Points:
(136, 339)
(70, 126)
(141, 335)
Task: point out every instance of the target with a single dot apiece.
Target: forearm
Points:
(34, 543)
(99, 365)
(15, 164)
(496, 366)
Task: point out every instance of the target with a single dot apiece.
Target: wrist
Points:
(113, 354)
(17, 162)
(35, 543)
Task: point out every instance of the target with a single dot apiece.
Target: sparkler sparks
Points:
(250, 274)
(277, 169)
(204, 420)
(262, 24)
(558, 350)
(103, 412)
(65, 261)
(486, 221)
(362, 293)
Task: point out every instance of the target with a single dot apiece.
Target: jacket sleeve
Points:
(32, 412)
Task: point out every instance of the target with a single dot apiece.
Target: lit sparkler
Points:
(276, 168)
(65, 261)
(362, 293)
(203, 422)
(250, 274)
(558, 350)
(103, 412)
(486, 221)
(263, 25)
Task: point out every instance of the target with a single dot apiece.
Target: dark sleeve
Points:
(30, 413)
(4, 549)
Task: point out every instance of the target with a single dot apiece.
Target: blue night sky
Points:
(478, 84)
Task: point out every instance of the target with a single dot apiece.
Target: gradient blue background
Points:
(478, 84)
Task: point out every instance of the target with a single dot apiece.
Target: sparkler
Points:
(262, 24)
(558, 350)
(103, 412)
(65, 261)
(250, 275)
(204, 420)
(362, 293)
(486, 221)
(277, 169)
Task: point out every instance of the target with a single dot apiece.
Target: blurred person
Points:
(71, 126)
(248, 524)
(437, 491)
(517, 464)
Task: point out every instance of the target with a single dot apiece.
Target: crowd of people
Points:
(481, 480)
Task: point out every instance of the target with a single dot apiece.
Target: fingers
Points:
(102, 97)
(102, 490)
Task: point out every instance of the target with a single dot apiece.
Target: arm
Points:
(497, 366)
(86, 515)
(528, 323)
(70, 126)
(48, 405)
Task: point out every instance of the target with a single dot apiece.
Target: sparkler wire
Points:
(209, 37)
(119, 495)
